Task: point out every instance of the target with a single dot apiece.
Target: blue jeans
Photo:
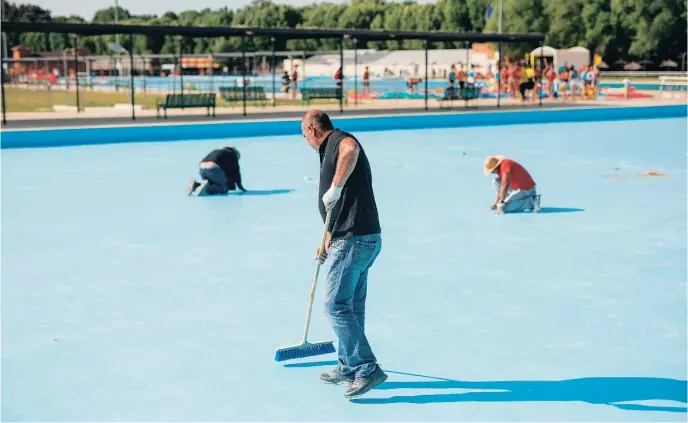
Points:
(516, 201)
(349, 260)
(216, 176)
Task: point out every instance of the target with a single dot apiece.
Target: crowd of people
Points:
(524, 80)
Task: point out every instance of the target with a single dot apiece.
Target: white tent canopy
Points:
(544, 51)
(400, 63)
(576, 56)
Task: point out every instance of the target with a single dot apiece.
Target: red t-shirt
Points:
(519, 178)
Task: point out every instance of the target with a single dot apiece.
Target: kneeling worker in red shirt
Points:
(515, 187)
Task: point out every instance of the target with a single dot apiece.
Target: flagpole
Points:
(499, 62)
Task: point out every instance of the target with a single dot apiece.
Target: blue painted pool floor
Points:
(123, 299)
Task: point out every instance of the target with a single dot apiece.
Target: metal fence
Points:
(240, 82)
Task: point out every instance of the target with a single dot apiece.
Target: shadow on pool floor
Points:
(263, 192)
(593, 390)
(560, 210)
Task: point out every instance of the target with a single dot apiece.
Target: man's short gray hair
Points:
(319, 119)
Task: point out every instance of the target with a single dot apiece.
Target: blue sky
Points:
(154, 7)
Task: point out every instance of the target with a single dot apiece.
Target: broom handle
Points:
(315, 278)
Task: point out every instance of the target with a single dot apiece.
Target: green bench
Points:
(187, 101)
(308, 94)
(467, 94)
(233, 95)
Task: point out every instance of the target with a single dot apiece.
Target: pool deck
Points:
(95, 117)
(125, 300)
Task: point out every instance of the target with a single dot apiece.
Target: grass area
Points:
(27, 100)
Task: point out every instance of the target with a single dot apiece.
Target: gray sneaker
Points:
(202, 189)
(364, 384)
(334, 378)
(536, 207)
(192, 187)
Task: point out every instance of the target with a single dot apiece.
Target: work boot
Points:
(536, 206)
(364, 384)
(335, 378)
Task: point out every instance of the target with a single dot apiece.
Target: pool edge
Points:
(66, 137)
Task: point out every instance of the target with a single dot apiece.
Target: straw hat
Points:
(491, 163)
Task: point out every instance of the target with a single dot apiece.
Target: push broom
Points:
(305, 348)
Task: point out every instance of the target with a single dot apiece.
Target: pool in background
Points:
(123, 299)
(208, 83)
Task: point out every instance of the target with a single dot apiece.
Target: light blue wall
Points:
(179, 132)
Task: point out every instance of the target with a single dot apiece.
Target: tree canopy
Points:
(650, 30)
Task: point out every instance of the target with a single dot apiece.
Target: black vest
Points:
(356, 212)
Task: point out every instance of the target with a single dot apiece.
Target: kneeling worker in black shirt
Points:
(219, 172)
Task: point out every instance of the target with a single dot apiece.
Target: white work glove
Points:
(331, 197)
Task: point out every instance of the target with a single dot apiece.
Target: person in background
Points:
(339, 80)
(513, 78)
(596, 80)
(295, 80)
(583, 74)
(411, 84)
(527, 82)
(515, 187)
(470, 76)
(366, 80)
(522, 81)
(462, 76)
(573, 81)
(563, 67)
(220, 173)
(503, 77)
(552, 83)
(451, 91)
(537, 81)
(564, 82)
(286, 82)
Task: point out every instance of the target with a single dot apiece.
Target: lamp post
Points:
(117, 19)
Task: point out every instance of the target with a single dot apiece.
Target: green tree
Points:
(477, 10)
(520, 16)
(597, 23)
(649, 29)
(108, 15)
(620, 29)
(564, 29)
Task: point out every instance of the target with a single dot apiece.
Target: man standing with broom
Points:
(352, 244)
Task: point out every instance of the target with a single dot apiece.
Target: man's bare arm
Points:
(348, 157)
(505, 185)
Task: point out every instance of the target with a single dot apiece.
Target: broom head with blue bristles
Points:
(304, 350)
(307, 349)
